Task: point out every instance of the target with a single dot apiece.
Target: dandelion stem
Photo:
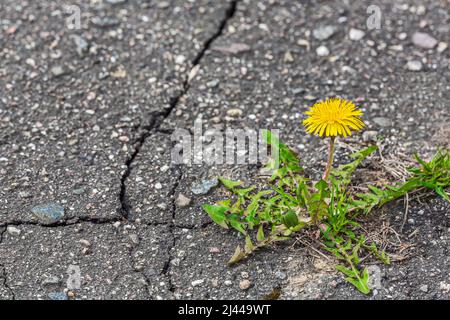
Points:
(326, 174)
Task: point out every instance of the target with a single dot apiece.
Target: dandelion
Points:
(331, 118)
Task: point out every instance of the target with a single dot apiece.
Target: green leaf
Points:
(361, 285)
(237, 256)
(278, 238)
(290, 219)
(238, 226)
(422, 162)
(440, 191)
(229, 184)
(217, 214)
(260, 235)
(321, 186)
(249, 247)
(375, 190)
(224, 203)
(346, 271)
(244, 191)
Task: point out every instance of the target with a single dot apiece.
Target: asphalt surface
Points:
(86, 117)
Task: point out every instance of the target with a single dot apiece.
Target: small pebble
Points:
(105, 22)
(204, 187)
(51, 281)
(356, 34)
(324, 32)
(234, 112)
(214, 250)
(182, 201)
(424, 40)
(382, 121)
(85, 243)
(13, 231)
(370, 136)
(58, 71)
(288, 58)
(212, 83)
(322, 51)
(197, 282)
(244, 284)
(442, 46)
(48, 213)
(414, 65)
(214, 283)
(57, 296)
(280, 275)
(424, 288)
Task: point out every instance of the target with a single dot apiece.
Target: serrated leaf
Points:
(244, 191)
(321, 186)
(290, 219)
(249, 247)
(217, 214)
(346, 271)
(365, 277)
(260, 237)
(230, 184)
(238, 226)
(375, 190)
(422, 162)
(359, 284)
(237, 256)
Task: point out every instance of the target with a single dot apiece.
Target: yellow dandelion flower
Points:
(333, 117)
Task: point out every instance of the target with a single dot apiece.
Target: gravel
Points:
(356, 34)
(414, 65)
(424, 40)
(322, 51)
(324, 32)
(86, 118)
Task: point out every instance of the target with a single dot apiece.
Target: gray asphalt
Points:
(86, 117)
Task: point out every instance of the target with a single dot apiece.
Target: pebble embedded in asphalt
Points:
(204, 187)
(322, 51)
(382, 121)
(14, 231)
(424, 40)
(324, 32)
(182, 201)
(356, 34)
(48, 213)
(244, 284)
(414, 65)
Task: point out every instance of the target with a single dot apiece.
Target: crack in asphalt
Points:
(172, 225)
(159, 117)
(4, 281)
(229, 14)
(148, 130)
(3, 274)
(63, 223)
(99, 221)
